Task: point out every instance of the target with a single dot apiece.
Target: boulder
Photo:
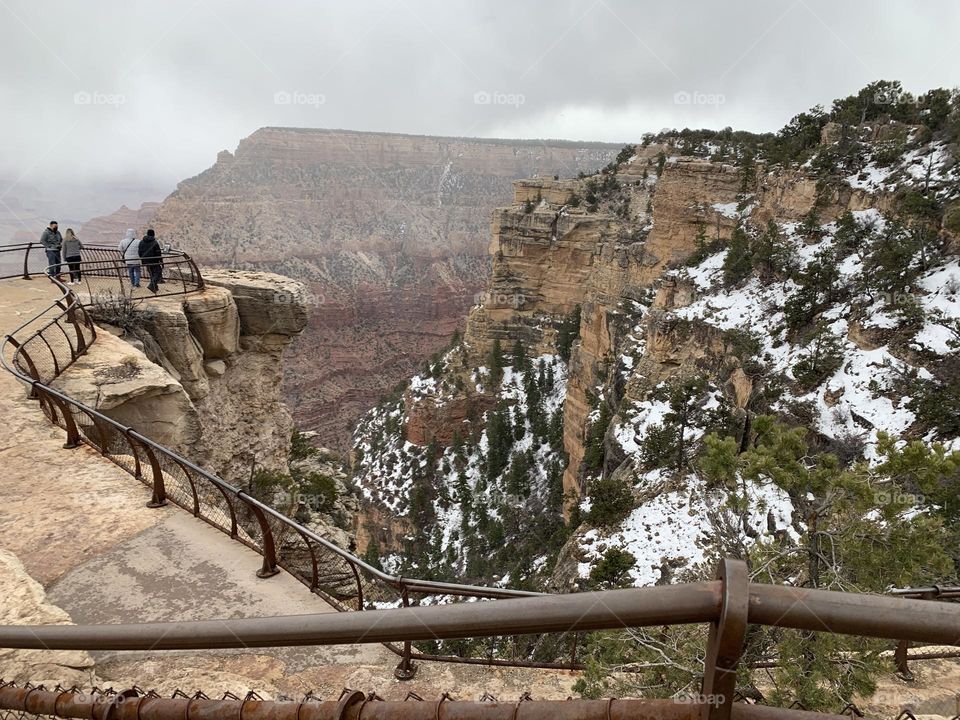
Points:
(119, 381)
(214, 322)
(215, 368)
(268, 304)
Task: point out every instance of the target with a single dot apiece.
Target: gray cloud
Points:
(108, 103)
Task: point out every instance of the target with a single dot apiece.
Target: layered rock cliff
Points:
(388, 232)
(687, 289)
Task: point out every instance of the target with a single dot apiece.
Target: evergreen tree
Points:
(567, 334)
(853, 538)
(611, 500)
(595, 446)
(817, 290)
(613, 570)
(521, 363)
(770, 255)
(822, 356)
(372, 554)
(499, 442)
(519, 426)
(738, 264)
(686, 399)
(495, 363)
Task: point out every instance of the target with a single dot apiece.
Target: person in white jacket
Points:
(130, 249)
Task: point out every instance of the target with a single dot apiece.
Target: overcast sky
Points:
(110, 102)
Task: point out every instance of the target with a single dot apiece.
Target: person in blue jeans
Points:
(130, 249)
(52, 241)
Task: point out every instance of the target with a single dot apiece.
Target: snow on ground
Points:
(871, 178)
(673, 526)
(942, 306)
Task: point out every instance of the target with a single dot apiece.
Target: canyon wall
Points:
(389, 233)
(555, 257)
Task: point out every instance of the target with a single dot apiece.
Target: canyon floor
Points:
(78, 544)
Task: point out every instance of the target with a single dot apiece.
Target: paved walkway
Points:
(81, 528)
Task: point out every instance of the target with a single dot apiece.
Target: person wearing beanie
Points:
(150, 254)
(51, 241)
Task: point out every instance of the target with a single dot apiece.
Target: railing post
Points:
(356, 577)
(901, 655)
(31, 368)
(269, 568)
(405, 669)
(194, 270)
(726, 642)
(26, 260)
(73, 437)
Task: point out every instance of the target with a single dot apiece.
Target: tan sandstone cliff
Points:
(201, 372)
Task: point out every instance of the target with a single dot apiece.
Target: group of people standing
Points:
(144, 253)
(68, 245)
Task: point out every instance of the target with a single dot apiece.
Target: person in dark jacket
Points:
(150, 256)
(51, 241)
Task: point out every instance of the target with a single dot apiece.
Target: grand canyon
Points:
(390, 232)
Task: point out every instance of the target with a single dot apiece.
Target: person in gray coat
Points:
(130, 249)
(51, 241)
(71, 254)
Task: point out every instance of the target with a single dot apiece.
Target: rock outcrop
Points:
(202, 372)
(556, 257)
(24, 602)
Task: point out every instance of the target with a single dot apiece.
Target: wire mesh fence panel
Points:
(178, 486)
(378, 594)
(118, 448)
(336, 577)
(299, 558)
(35, 358)
(215, 508)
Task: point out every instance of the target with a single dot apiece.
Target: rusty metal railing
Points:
(902, 656)
(25, 703)
(47, 344)
(730, 604)
(26, 260)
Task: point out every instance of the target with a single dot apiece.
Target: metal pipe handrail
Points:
(844, 613)
(933, 592)
(574, 612)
